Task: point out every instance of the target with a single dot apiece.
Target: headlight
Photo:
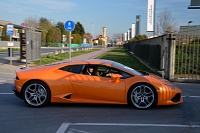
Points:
(171, 86)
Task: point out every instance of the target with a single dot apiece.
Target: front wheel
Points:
(142, 96)
(36, 94)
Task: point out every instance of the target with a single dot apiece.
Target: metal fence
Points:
(187, 57)
(150, 50)
(176, 56)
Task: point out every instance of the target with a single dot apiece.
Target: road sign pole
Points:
(10, 32)
(10, 55)
(69, 26)
(70, 46)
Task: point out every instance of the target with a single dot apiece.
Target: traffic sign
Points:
(69, 25)
(23, 24)
(10, 29)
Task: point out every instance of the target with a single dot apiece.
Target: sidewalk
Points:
(6, 67)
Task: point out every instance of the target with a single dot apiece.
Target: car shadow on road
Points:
(109, 106)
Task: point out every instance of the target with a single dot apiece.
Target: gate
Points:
(185, 66)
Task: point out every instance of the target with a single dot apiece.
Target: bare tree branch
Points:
(31, 22)
(166, 22)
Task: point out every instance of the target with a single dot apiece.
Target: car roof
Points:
(84, 62)
(92, 61)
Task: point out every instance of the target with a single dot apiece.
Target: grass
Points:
(6, 50)
(51, 58)
(124, 57)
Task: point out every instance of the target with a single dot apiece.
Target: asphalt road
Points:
(17, 117)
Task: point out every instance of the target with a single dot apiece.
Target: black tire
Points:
(36, 94)
(142, 96)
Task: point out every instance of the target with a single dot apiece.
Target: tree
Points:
(138, 38)
(49, 37)
(57, 35)
(60, 25)
(4, 36)
(66, 33)
(77, 39)
(166, 22)
(43, 36)
(32, 22)
(78, 29)
(45, 24)
(54, 35)
(117, 38)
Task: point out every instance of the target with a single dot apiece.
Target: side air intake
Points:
(68, 96)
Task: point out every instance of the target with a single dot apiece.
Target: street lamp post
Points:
(92, 34)
(188, 30)
(186, 49)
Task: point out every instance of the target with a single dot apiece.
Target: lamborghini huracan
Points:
(109, 83)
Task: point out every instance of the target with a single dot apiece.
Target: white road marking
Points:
(133, 125)
(6, 93)
(192, 96)
(3, 80)
(79, 131)
(63, 128)
(7, 73)
(6, 79)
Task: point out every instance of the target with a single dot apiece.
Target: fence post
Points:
(170, 57)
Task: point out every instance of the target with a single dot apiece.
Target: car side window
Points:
(125, 75)
(115, 71)
(104, 71)
(74, 68)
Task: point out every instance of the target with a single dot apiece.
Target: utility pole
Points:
(92, 34)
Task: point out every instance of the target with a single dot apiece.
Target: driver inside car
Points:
(106, 73)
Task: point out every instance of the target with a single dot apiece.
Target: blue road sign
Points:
(10, 29)
(69, 25)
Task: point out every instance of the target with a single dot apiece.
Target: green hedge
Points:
(51, 44)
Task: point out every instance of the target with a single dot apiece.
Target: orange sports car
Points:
(93, 81)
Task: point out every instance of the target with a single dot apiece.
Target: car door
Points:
(98, 87)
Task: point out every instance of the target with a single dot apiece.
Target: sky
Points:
(116, 15)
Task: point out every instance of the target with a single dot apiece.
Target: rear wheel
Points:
(36, 94)
(142, 96)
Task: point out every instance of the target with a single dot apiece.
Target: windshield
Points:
(126, 68)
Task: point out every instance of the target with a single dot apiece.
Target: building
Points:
(132, 30)
(137, 25)
(3, 23)
(195, 4)
(102, 37)
(88, 38)
(191, 29)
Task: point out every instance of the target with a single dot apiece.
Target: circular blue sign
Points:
(69, 25)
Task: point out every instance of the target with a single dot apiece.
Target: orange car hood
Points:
(156, 79)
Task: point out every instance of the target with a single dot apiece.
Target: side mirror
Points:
(116, 77)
